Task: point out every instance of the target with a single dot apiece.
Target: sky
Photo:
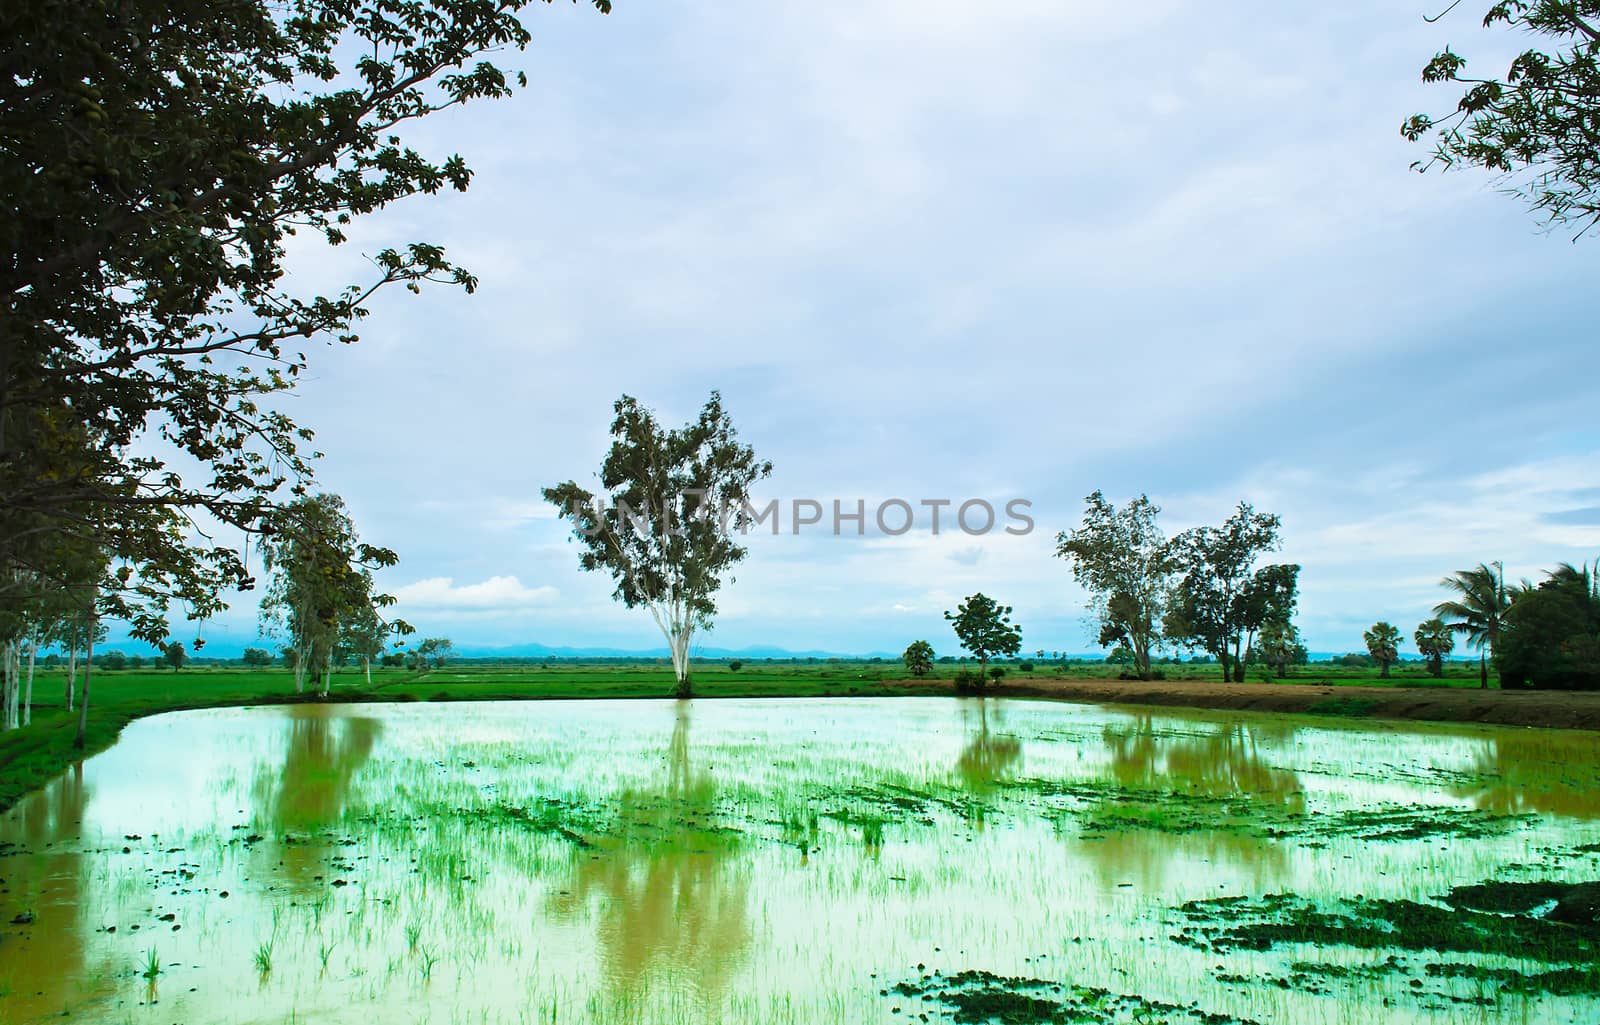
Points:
(940, 250)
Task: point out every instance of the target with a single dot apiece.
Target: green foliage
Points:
(675, 499)
(1478, 609)
(1538, 128)
(432, 653)
(157, 158)
(1279, 646)
(321, 589)
(175, 655)
(1435, 640)
(1121, 557)
(1222, 599)
(1121, 655)
(113, 660)
(1383, 644)
(1550, 637)
(735, 665)
(1025, 667)
(918, 658)
(256, 658)
(984, 628)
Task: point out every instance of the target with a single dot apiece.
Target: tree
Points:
(256, 658)
(1478, 609)
(735, 665)
(1221, 599)
(918, 658)
(1550, 636)
(114, 660)
(1121, 557)
(432, 653)
(175, 655)
(1383, 644)
(1280, 647)
(1435, 639)
(663, 526)
(1538, 128)
(321, 582)
(156, 158)
(984, 628)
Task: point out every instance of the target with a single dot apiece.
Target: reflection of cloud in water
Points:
(668, 899)
(1538, 771)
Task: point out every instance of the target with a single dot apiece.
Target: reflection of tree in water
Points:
(309, 794)
(670, 906)
(46, 878)
(326, 748)
(1538, 771)
(1154, 772)
(987, 759)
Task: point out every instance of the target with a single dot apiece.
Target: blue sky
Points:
(930, 249)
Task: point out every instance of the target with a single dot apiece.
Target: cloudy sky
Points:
(931, 249)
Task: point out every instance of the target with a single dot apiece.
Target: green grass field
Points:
(31, 756)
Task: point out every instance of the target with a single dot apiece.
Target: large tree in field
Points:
(1383, 644)
(918, 658)
(984, 628)
(1435, 640)
(1478, 609)
(1221, 599)
(321, 583)
(155, 158)
(1538, 126)
(1121, 557)
(664, 520)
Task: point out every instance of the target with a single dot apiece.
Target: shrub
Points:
(996, 673)
(967, 682)
(1025, 667)
(735, 666)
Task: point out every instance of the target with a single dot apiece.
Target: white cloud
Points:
(497, 594)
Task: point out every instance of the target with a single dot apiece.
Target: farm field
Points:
(30, 757)
(859, 860)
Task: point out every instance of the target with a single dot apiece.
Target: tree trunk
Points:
(72, 674)
(1483, 672)
(83, 705)
(1385, 673)
(678, 645)
(8, 691)
(27, 694)
(366, 665)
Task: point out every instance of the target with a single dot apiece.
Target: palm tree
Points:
(1478, 609)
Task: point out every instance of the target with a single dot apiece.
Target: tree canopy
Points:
(1538, 126)
(1383, 644)
(1121, 557)
(156, 158)
(664, 523)
(321, 586)
(1221, 598)
(984, 628)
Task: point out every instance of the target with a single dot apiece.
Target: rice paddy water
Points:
(809, 861)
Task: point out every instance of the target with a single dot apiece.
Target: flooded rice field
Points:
(810, 861)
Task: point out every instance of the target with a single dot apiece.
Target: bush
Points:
(735, 666)
(967, 682)
(1025, 667)
(997, 673)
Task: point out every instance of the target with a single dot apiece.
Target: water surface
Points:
(769, 861)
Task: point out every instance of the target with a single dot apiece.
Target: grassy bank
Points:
(32, 756)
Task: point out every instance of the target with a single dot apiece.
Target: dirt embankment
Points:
(1554, 709)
